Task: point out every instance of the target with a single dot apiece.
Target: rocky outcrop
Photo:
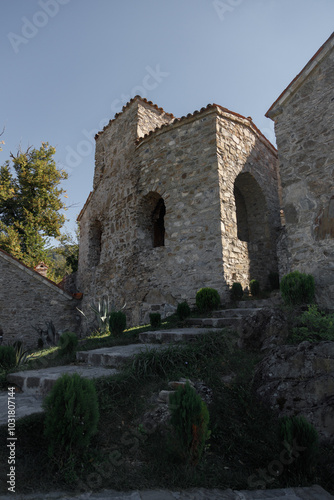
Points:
(300, 380)
(264, 329)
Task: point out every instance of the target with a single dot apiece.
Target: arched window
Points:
(95, 237)
(158, 218)
(152, 221)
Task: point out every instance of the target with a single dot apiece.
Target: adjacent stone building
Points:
(29, 301)
(304, 125)
(177, 204)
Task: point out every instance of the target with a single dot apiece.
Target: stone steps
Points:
(113, 357)
(40, 382)
(226, 318)
(174, 335)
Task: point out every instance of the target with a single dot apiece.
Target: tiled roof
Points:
(298, 80)
(31, 271)
(127, 105)
(202, 111)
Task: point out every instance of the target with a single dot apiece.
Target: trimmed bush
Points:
(301, 441)
(190, 420)
(236, 291)
(207, 299)
(68, 343)
(7, 357)
(117, 322)
(183, 310)
(274, 280)
(155, 320)
(297, 288)
(254, 287)
(71, 416)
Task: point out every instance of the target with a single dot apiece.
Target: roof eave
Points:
(277, 107)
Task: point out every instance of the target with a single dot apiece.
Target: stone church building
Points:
(304, 127)
(177, 204)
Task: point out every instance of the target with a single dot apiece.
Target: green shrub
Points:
(71, 416)
(236, 292)
(297, 288)
(68, 343)
(254, 287)
(207, 299)
(314, 326)
(7, 357)
(183, 310)
(155, 320)
(301, 441)
(117, 322)
(274, 280)
(190, 420)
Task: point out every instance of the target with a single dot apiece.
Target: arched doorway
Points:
(252, 221)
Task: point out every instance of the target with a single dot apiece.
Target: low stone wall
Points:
(300, 380)
(28, 302)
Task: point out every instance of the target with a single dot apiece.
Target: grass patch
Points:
(127, 454)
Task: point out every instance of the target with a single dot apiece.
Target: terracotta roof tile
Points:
(201, 111)
(33, 270)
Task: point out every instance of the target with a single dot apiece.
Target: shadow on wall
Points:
(254, 227)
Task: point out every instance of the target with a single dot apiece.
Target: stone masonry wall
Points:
(28, 300)
(151, 231)
(180, 165)
(305, 137)
(249, 186)
(176, 167)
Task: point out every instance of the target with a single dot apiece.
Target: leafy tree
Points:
(2, 142)
(63, 260)
(30, 204)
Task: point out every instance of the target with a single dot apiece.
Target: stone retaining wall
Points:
(29, 301)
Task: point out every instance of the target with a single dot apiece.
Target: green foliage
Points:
(102, 312)
(297, 288)
(190, 420)
(207, 299)
(301, 441)
(183, 310)
(63, 259)
(314, 326)
(155, 320)
(30, 204)
(71, 416)
(254, 287)
(117, 322)
(7, 357)
(68, 343)
(21, 355)
(274, 280)
(236, 292)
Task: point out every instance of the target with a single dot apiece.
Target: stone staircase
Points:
(33, 385)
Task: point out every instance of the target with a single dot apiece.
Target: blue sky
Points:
(69, 65)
